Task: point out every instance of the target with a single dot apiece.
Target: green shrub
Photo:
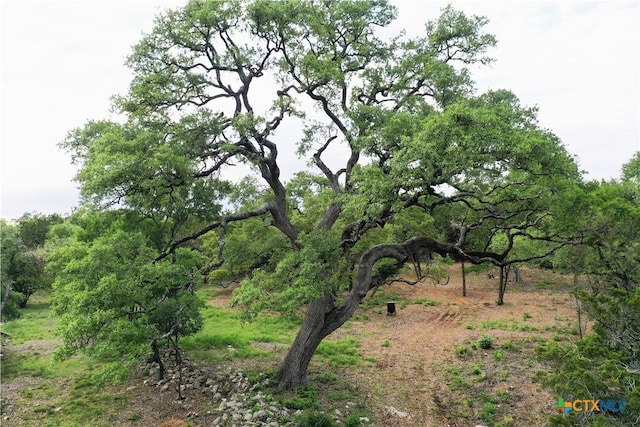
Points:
(315, 419)
(486, 342)
(487, 413)
(590, 367)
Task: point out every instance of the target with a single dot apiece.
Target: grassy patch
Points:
(315, 419)
(49, 392)
(481, 383)
(340, 353)
(36, 323)
(224, 331)
(424, 301)
(304, 398)
(510, 345)
(509, 325)
(461, 351)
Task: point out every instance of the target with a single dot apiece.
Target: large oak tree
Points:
(392, 131)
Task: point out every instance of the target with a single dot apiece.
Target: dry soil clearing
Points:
(428, 366)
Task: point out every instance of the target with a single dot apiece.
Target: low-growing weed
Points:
(305, 398)
(487, 412)
(462, 351)
(315, 419)
(509, 345)
(486, 342)
(424, 301)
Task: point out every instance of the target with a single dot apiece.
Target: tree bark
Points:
(293, 370)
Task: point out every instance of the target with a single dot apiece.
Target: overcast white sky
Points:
(578, 61)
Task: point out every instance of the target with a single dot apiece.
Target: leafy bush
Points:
(11, 308)
(486, 342)
(590, 369)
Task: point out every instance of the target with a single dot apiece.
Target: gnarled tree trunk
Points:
(323, 316)
(293, 370)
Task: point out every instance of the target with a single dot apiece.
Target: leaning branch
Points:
(222, 226)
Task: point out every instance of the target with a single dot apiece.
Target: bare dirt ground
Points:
(423, 366)
(415, 363)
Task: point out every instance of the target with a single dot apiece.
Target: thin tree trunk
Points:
(156, 358)
(464, 281)
(25, 299)
(504, 273)
(517, 277)
(578, 303)
(178, 359)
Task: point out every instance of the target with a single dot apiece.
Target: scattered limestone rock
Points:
(397, 412)
(239, 402)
